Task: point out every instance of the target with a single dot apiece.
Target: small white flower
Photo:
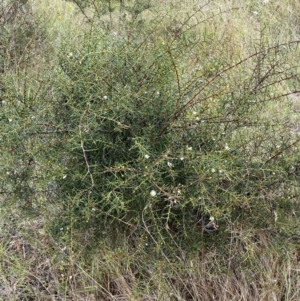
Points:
(211, 218)
(69, 55)
(64, 176)
(189, 148)
(170, 164)
(153, 193)
(181, 158)
(61, 229)
(213, 170)
(105, 97)
(147, 156)
(220, 171)
(93, 209)
(10, 120)
(227, 147)
(158, 93)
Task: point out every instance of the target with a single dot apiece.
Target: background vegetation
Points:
(149, 150)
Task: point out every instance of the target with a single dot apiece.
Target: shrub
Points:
(155, 134)
(154, 146)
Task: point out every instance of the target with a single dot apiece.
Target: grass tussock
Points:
(253, 268)
(149, 150)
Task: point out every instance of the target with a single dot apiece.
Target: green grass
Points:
(58, 242)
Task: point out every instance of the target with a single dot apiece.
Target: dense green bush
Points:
(152, 145)
(153, 134)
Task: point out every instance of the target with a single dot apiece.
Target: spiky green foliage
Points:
(151, 143)
(157, 142)
(147, 133)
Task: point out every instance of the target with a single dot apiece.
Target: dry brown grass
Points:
(35, 267)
